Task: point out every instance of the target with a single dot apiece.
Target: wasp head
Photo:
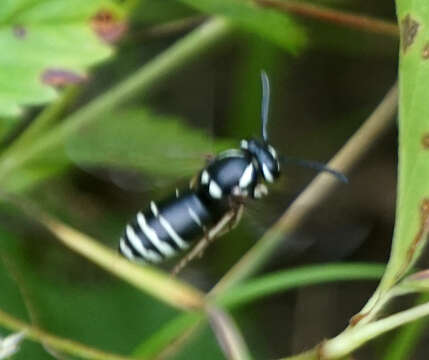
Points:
(265, 157)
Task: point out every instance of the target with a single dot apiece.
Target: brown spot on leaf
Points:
(409, 29)
(59, 77)
(425, 52)
(422, 233)
(19, 31)
(425, 141)
(108, 27)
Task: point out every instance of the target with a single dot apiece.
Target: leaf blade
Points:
(47, 35)
(411, 225)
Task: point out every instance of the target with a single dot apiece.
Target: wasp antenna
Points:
(316, 166)
(265, 104)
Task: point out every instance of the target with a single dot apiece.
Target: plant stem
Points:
(299, 277)
(227, 333)
(402, 346)
(138, 83)
(319, 189)
(383, 300)
(56, 342)
(358, 22)
(348, 341)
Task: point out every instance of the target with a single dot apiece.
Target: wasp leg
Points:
(194, 181)
(238, 214)
(237, 206)
(209, 237)
(205, 242)
(237, 211)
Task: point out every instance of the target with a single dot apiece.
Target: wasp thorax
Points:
(265, 156)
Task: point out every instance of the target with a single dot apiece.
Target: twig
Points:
(319, 189)
(359, 22)
(228, 335)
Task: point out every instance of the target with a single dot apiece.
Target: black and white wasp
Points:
(212, 205)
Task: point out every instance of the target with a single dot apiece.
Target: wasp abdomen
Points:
(167, 228)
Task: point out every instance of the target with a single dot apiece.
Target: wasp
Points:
(212, 205)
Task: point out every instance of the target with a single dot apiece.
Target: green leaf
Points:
(48, 43)
(271, 25)
(139, 83)
(412, 217)
(412, 210)
(141, 140)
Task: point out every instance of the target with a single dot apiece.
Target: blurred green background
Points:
(320, 96)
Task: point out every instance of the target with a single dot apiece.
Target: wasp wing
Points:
(141, 145)
(330, 232)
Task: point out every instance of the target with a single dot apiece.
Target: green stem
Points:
(290, 279)
(383, 300)
(138, 83)
(403, 344)
(345, 343)
(348, 341)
